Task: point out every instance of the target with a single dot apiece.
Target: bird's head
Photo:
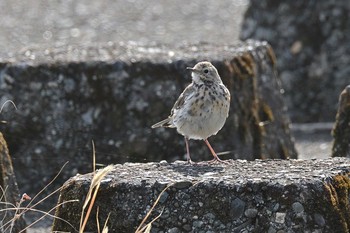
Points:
(204, 72)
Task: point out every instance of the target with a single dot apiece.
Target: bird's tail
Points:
(163, 123)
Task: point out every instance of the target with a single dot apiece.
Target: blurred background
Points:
(53, 22)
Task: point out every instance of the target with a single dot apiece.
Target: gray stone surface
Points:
(113, 93)
(244, 196)
(310, 39)
(341, 130)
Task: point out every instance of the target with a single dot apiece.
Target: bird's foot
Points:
(218, 160)
(190, 162)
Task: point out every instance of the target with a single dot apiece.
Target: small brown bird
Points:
(202, 108)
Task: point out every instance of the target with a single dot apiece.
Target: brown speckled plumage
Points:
(202, 108)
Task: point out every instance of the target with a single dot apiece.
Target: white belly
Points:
(197, 121)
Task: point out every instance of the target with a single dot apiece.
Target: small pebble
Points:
(280, 217)
(298, 207)
(251, 213)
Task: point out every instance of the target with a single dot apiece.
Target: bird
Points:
(201, 109)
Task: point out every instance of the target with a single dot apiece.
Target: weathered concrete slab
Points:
(9, 194)
(341, 130)
(244, 196)
(113, 93)
(311, 41)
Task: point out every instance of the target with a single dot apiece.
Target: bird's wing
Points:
(182, 98)
(162, 123)
(178, 104)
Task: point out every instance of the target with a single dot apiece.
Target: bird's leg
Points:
(188, 152)
(216, 157)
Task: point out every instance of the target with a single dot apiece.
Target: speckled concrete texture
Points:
(244, 196)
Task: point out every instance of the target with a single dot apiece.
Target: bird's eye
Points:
(206, 71)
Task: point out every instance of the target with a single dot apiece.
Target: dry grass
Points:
(89, 202)
(20, 210)
(3, 105)
(92, 193)
(91, 196)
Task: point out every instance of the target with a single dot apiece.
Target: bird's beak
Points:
(193, 70)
